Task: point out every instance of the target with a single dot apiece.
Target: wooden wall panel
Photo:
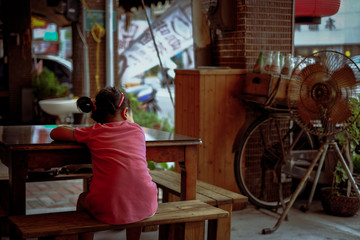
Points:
(207, 105)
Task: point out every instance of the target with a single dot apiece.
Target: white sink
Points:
(60, 107)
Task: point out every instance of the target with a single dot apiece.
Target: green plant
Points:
(154, 165)
(150, 120)
(349, 142)
(339, 180)
(46, 85)
(352, 133)
(356, 161)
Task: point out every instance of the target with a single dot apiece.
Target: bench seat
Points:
(185, 218)
(170, 183)
(205, 192)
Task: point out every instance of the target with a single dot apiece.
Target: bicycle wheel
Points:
(260, 158)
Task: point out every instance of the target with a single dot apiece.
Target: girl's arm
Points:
(63, 133)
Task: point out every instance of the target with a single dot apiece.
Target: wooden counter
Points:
(207, 106)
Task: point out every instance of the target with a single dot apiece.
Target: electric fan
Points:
(319, 100)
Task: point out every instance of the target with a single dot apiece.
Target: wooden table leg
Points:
(189, 173)
(17, 178)
(17, 188)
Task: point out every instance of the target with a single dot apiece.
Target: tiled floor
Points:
(52, 196)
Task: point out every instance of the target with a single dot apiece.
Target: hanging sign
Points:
(173, 34)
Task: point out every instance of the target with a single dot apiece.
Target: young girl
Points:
(121, 190)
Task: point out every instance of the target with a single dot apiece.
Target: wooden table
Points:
(23, 147)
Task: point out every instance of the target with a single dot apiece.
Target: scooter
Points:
(145, 94)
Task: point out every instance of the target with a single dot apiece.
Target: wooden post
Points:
(208, 107)
(201, 33)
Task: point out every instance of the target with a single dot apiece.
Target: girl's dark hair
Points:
(105, 104)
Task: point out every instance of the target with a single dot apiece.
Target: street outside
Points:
(163, 98)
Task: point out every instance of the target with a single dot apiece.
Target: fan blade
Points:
(340, 112)
(293, 90)
(306, 100)
(312, 69)
(313, 74)
(301, 84)
(318, 77)
(306, 114)
(344, 77)
(314, 91)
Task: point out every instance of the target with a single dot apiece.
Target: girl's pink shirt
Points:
(122, 190)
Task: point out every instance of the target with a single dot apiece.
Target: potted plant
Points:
(339, 199)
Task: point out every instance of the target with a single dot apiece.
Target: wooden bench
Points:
(4, 191)
(169, 182)
(184, 219)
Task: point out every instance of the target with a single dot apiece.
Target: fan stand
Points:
(319, 156)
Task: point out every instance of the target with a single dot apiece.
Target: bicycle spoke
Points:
(258, 167)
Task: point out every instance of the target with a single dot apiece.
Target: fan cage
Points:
(320, 91)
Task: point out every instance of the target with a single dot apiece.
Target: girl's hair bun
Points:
(85, 104)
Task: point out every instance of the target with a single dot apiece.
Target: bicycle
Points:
(273, 155)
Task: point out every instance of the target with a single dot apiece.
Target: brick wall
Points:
(260, 26)
(78, 59)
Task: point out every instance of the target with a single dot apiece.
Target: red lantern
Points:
(311, 11)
